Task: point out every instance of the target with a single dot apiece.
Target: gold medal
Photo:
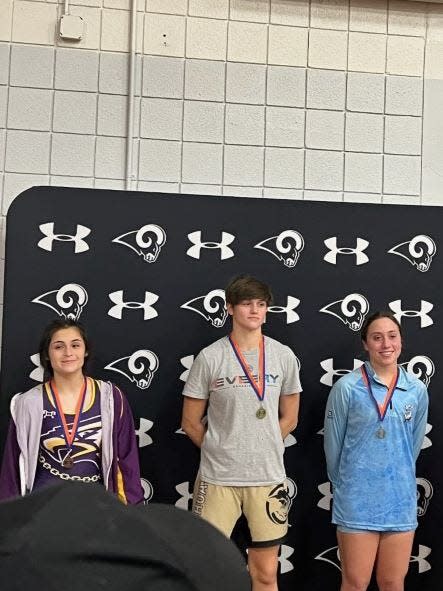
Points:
(381, 433)
(258, 385)
(261, 413)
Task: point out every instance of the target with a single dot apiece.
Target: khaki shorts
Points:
(266, 509)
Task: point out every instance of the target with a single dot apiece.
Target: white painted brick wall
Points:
(111, 119)
(245, 83)
(203, 122)
(209, 159)
(324, 170)
(317, 99)
(205, 80)
(29, 108)
(363, 172)
(284, 167)
(206, 39)
(285, 127)
(368, 21)
(27, 151)
(325, 130)
(80, 151)
(163, 118)
(245, 124)
(326, 89)
(31, 66)
(285, 86)
(75, 112)
(364, 132)
(332, 76)
(3, 105)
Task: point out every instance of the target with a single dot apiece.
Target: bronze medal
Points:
(69, 435)
(381, 433)
(261, 413)
(68, 463)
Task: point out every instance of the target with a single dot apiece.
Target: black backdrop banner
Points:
(145, 273)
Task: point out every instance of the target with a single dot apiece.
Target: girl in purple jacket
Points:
(72, 427)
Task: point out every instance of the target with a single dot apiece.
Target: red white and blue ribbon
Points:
(257, 385)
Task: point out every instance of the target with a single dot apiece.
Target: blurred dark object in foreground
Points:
(76, 537)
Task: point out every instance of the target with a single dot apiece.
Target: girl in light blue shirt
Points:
(374, 427)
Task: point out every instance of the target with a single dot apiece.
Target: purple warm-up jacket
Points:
(119, 454)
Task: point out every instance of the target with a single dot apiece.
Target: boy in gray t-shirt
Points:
(249, 385)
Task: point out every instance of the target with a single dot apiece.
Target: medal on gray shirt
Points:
(257, 386)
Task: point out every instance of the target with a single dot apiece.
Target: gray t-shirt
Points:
(238, 448)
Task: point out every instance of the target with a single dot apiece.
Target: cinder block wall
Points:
(323, 99)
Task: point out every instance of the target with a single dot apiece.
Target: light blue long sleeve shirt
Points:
(373, 478)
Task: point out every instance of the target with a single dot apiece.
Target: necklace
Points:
(69, 434)
(257, 385)
(383, 407)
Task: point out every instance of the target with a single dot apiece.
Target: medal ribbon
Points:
(383, 407)
(258, 387)
(69, 434)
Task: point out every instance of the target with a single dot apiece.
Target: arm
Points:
(288, 413)
(420, 422)
(195, 400)
(129, 488)
(336, 417)
(193, 411)
(10, 473)
(289, 402)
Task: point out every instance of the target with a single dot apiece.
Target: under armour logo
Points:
(37, 374)
(116, 311)
(421, 367)
(185, 496)
(351, 310)
(139, 367)
(291, 304)
(147, 242)
(211, 306)
(80, 245)
(360, 257)
(187, 364)
(328, 378)
(148, 490)
(68, 301)
(196, 239)
(426, 441)
(419, 251)
(289, 440)
(425, 307)
(286, 247)
(325, 501)
(420, 559)
(285, 564)
(142, 432)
